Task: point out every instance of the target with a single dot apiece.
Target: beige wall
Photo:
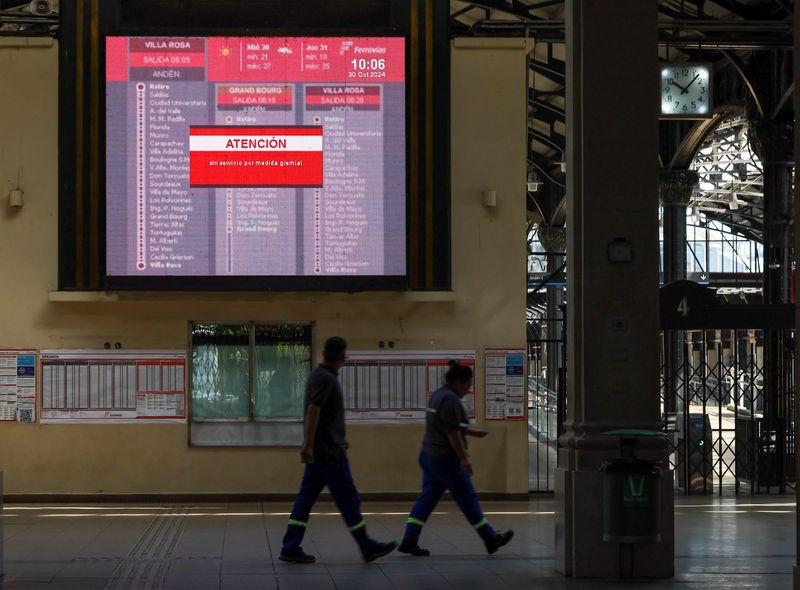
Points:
(485, 310)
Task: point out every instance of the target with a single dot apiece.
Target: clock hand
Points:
(696, 76)
(684, 90)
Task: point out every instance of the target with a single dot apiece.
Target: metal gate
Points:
(546, 388)
(727, 406)
(729, 419)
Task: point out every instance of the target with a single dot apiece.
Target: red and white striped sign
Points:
(229, 157)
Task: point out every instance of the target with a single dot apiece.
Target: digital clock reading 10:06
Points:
(369, 64)
(685, 91)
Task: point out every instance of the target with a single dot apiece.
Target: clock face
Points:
(685, 90)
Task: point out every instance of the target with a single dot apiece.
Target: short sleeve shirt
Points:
(323, 390)
(443, 415)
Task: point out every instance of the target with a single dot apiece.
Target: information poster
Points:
(113, 386)
(17, 385)
(256, 156)
(505, 383)
(395, 385)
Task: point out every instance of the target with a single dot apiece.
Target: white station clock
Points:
(686, 91)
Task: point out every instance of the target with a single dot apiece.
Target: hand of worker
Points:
(307, 454)
(477, 433)
(466, 465)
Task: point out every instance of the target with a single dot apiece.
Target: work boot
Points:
(411, 548)
(296, 556)
(500, 538)
(379, 550)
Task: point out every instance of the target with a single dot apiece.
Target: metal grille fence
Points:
(546, 387)
(730, 424)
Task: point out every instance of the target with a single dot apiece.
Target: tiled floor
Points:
(744, 544)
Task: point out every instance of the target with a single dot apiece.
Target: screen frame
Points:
(278, 283)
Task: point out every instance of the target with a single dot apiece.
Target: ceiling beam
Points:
(514, 7)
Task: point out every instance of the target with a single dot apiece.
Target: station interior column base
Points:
(580, 549)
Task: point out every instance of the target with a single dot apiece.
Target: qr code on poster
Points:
(25, 415)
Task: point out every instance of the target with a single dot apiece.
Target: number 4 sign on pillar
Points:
(683, 308)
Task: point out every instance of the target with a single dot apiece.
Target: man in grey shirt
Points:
(325, 454)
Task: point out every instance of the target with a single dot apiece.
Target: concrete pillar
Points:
(554, 241)
(613, 327)
(796, 211)
(774, 143)
(675, 190)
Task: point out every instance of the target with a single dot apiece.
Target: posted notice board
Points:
(505, 383)
(395, 385)
(113, 386)
(17, 385)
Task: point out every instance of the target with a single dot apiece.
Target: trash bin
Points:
(631, 498)
(631, 501)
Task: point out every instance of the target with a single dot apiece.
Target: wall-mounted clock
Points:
(686, 91)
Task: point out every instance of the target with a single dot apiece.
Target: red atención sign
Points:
(236, 156)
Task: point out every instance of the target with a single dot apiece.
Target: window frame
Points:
(251, 422)
(253, 362)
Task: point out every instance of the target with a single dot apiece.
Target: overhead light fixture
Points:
(41, 7)
(534, 182)
(694, 213)
(734, 202)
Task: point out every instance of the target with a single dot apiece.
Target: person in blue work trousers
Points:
(325, 454)
(446, 466)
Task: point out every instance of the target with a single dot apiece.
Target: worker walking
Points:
(325, 454)
(446, 465)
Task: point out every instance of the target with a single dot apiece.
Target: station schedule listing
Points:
(244, 156)
(505, 383)
(113, 386)
(17, 385)
(394, 386)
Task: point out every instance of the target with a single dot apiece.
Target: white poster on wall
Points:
(17, 385)
(113, 386)
(393, 386)
(505, 383)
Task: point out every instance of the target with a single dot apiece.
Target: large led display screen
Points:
(265, 157)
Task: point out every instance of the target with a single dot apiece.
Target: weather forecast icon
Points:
(225, 51)
(285, 50)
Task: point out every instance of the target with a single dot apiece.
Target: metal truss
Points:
(538, 10)
(726, 28)
(547, 120)
(731, 188)
(17, 20)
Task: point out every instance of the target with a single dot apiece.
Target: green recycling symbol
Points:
(635, 491)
